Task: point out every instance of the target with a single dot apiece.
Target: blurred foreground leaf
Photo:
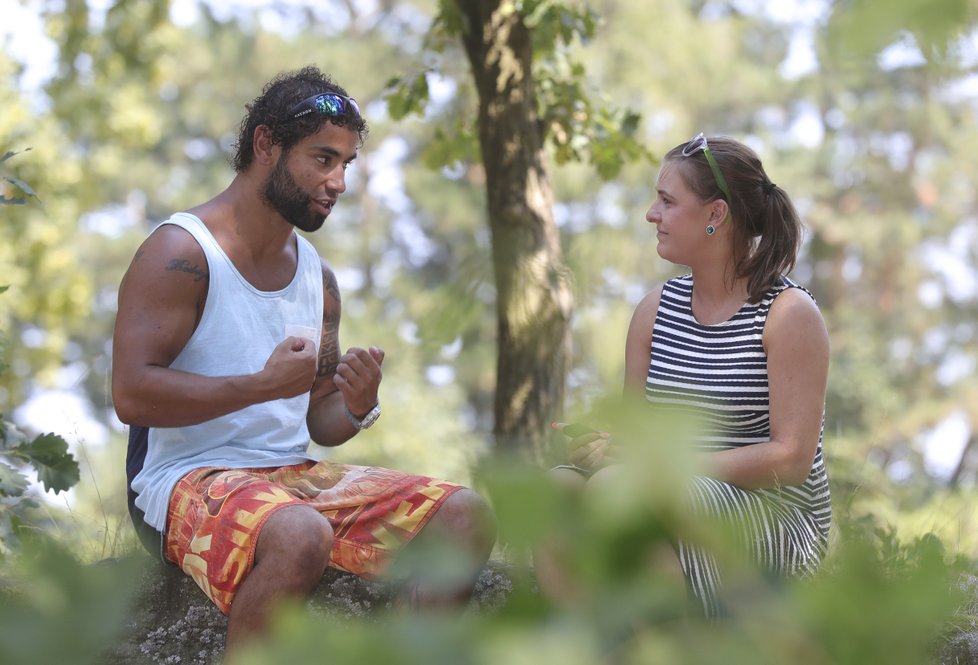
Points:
(876, 600)
(54, 610)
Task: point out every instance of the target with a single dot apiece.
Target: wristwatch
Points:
(365, 422)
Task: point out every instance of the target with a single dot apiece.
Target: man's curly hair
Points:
(272, 108)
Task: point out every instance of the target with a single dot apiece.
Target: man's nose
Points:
(336, 181)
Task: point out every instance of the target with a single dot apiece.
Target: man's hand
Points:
(291, 368)
(358, 378)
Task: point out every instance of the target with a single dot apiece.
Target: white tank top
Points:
(238, 329)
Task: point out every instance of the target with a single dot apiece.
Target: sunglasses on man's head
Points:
(327, 103)
(698, 143)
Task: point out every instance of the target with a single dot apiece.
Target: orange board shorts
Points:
(216, 514)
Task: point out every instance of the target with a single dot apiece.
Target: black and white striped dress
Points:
(718, 375)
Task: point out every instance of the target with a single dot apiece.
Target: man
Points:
(217, 369)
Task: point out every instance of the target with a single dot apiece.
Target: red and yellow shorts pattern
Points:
(216, 514)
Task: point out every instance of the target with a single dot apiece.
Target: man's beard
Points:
(285, 196)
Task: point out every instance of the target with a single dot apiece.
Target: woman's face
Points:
(680, 217)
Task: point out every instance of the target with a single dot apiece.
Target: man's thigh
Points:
(374, 511)
(216, 517)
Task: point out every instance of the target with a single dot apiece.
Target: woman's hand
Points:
(586, 448)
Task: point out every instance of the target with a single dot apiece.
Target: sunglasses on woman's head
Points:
(328, 103)
(698, 143)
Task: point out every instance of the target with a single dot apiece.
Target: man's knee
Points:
(298, 537)
(467, 517)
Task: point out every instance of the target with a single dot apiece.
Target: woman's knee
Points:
(606, 480)
(567, 479)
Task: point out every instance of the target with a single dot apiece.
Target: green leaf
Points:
(10, 435)
(21, 184)
(408, 95)
(56, 468)
(8, 531)
(11, 153)
(12, 481)
(53, 594)
(457, 145)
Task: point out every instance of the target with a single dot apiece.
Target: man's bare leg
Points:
(549, 566)
(465, 528)
(290, 558)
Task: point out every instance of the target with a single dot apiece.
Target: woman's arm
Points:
(797, 346)
(638, 344)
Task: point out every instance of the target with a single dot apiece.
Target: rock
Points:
(172, 621)
(961, 649)
(961, 644)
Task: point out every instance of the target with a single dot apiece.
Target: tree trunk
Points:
(962, 466)
(534, 300)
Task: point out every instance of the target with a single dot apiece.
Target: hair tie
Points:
(768, 187)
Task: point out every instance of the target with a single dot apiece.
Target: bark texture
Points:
(534, 300)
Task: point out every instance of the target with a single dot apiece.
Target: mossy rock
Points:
(173, 622)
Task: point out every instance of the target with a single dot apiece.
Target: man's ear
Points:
(263, 145)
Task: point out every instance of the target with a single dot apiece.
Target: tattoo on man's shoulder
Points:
(183, 265)
(329, 346)
(139, 255)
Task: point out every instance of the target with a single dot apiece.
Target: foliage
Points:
(864, 28)
(877, 600)
(67, 612)
(579, 121)
(48, 454)
(16, 182)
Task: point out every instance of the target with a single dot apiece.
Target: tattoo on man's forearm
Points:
(329, 346)
(183, 265)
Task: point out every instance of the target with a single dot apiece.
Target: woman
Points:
(741, 348)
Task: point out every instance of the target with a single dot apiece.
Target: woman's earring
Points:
(710, 229)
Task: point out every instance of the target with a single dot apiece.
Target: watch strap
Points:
(369, 419)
